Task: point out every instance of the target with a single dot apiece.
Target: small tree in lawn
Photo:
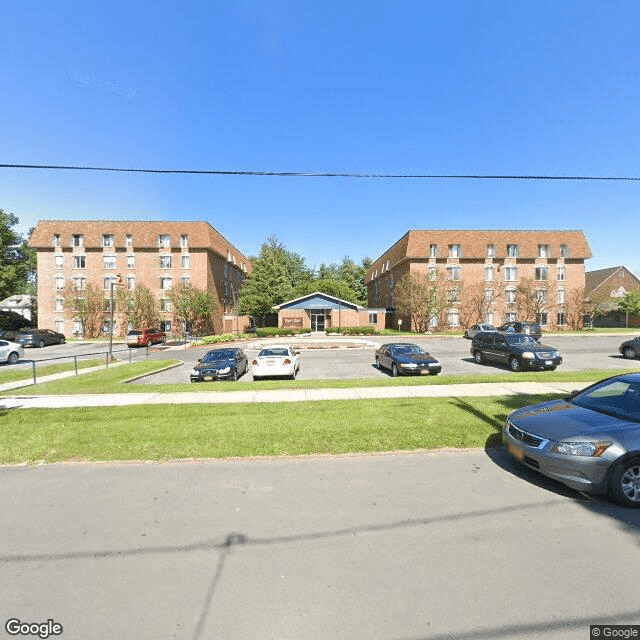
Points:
(423, 298)
(531, 299)
(86, 306)
(192, 307)
(138, 307)
(630, 302)
(476, 302)
(575, 308)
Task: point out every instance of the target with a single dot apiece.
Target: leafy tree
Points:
(630, 302)
(575, 308)
(17, 259)
(86, 306)
(532, 298)
(475, 303)
(193, 307)
(336, 288)
(138, 307)
(422, 297)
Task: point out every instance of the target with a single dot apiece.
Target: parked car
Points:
(532, 329)
(38, 337)
(590, 440)
(276, 360)
(145, 337)
(228, 362)
(516, 350)
(10, 352)
(405, 358)
(8, 335)
(476, 328)
(630, 348)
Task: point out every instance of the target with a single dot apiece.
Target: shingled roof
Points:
(593, 280)
(415, 244)
(145, 235)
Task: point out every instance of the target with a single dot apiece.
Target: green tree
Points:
(137, 307)
(422, 297)
(193, 307)
(17, 259)
(335, 288)
(630, 302)
(85, 306)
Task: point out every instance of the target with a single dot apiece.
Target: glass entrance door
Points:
(317, 319)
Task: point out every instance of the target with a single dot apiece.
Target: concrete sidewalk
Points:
(286, 395)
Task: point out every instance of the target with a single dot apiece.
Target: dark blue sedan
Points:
(228, 363)
(405, 358)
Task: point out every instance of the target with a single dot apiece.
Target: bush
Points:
(333, 330)
(355, 330)
(223, 337)
(265, 332)
(304, 330)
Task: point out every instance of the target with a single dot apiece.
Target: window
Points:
(453, 273)
(164, 240)
(165, 304)
(433, 250)
(542, 273)
(564, 250)
(128, 240)
(58, 262)
(488, 295)
(59, 283)
(79, 284)
(165, 283)
(542, 296)
(488, 274)
(79, 262)
(561, 296)
(107, 240)
(165, 262)
(165, 325)
(433, 273)
(454, 251)
(543, 251)
(131, 283)
(453, 318)
(77, 240)
(561, 319)
(373, 318)
(543, 318)
(512, 250)
(562, 273)
(131, 262)
(186, 261)
(109, 262)
(510, 295)
(183, 240)
(56, 240)
(510, 316)
(491, 251)
(511, 273)
(60, 325)
(106, 282)
(453, 295)
(59, 304)
(185, 280)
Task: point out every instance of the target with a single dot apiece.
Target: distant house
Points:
(603, 288)
(22, 304)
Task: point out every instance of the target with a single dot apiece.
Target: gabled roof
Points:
(594, 280)
(318, 300)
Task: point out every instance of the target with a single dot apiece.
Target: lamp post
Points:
(112, 284)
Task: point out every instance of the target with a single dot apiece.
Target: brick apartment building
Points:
(155, 254)
(496, 261)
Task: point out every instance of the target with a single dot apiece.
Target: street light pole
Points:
(113, 284)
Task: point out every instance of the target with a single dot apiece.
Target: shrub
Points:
(334, 330)
(304, 330)
(264, 332)
(355, 330)
(224, 337)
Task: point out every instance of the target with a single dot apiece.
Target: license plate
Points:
(518, 454)
(207, 378)
(424, 371)
(548, 362)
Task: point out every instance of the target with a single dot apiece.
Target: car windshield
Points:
(521, 339)
(134, 333)
(222, 354)
(618, 397)
(273, 352)
(407, 349)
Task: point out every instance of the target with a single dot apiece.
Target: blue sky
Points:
(456, 87)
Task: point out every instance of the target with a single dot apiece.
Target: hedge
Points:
(369, 330)
(224, 337)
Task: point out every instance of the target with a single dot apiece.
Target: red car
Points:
(145, 337)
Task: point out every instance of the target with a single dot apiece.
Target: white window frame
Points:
(131, 261)
(109, 262)
(165, 262)
(166, 283)
(58, 261)
(511, 273)
(59, 282)
(186, 261)
(108, 240)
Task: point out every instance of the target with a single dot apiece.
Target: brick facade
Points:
(156, 254)
(497, 260)
(607, 286)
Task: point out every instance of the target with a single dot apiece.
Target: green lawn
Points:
(150, 432)
(13, 374)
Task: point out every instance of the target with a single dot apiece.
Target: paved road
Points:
(413, 546)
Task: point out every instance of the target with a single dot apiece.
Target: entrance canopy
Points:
(318, 300)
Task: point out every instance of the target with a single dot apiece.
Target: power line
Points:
(307, 174)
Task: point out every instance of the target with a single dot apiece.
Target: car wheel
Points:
(629, 352)
(552, 368)
(234, 377)
(377, 363)
(514, 364)
(477, 356)
(394, 370)
(13, 358)
(625, 483)
(40, 344)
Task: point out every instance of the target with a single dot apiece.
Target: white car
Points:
(276, 360)
(10, 352)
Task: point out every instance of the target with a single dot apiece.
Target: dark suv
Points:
(515, 350)
(528, 328)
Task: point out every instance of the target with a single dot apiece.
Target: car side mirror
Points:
(199, 359)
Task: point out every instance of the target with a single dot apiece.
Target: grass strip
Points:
(157, 433)
(25, 372)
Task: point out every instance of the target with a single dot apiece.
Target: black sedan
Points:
(228, 363)
(589, 441)
(630, 348)
(404, 358)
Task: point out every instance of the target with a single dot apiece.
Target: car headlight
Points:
(528, 354)
(584, 449)
(195, 372)
(225, 370)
